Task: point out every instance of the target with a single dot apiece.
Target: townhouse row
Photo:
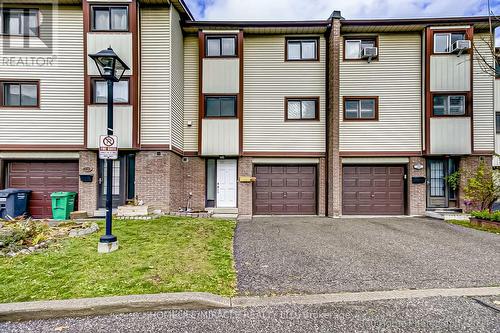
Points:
(330, 117)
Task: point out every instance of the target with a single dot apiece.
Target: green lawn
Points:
(467, 224)
(169, 254)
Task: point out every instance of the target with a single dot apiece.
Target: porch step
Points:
(447, 214)
(222, 210)
(102, 212)
(225, 216)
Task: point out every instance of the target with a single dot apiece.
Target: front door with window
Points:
(439, 193)
(226, 183)
(123, 180)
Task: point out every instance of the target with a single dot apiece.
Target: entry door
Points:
(118, 191)
(226, 183)
(436, 185)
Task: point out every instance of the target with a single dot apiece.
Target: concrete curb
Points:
(197, 301)
(107, 305)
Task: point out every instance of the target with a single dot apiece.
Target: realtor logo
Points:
(27, 35)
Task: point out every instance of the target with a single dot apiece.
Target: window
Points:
(220, 106)
(302, 49)
(497, 122)
(302, 108)
(20, 22)
(221, 46)
(120, 92)
(354, 47)
(110, 18)
(448, 105)
(18, 94)
(443, 42)
(360, 108)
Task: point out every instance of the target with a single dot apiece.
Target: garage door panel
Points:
(43, 178)
(262, 182)
(299, 184)
(373, 190)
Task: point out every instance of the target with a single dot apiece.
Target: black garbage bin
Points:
(13, 202)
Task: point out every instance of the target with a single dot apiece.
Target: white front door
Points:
(226, 183)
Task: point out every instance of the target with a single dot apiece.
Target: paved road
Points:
(320, 255)
(452, 314)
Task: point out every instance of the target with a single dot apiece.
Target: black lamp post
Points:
(111, 68)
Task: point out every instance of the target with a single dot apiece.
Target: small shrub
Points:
(481, 187)
(486, 215)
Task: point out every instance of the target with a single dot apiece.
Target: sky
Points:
(321, 9)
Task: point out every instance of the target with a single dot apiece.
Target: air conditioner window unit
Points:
(369, 52)
(461, 45)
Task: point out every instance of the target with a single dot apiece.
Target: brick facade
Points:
(334, 184)
(87, 192)
(467, 165)
(245, 168)
(417, 193)
(194, 181)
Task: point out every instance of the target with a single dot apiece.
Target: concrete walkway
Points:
(300, 255)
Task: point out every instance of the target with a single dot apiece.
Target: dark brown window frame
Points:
(300, 99)
(497, 122)
(374, 38)
(93, 80)
(25, 10)
(359, 98)
(205, 96)
(7, 81)
(104, 6)
(216, 36)
(316, 39)
(468, 103)
(446, 31)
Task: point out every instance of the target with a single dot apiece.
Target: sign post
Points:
(108, 147)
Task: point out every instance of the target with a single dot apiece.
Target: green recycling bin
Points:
(63, 203)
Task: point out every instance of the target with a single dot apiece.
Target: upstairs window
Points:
(221, 46)
(443, 41)
(302, 49)
(360, 108)
(110, 18)
(302, 108)
(20, 22)
(220, 106)
(19, 94)
(353, 47)
(448, 105)
(120, 92)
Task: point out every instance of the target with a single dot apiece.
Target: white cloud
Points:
(321, 9)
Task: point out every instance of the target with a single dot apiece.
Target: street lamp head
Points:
(110, 66)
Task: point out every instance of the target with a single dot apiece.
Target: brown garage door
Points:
(43, 178)
(372, 190)
(284, 190)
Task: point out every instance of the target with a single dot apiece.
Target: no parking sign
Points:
(108, 147)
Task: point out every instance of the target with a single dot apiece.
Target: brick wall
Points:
(152, 173)
(194, 181)
(417, 193)
(245, 189)
(333, 157)
(87, 192)
(467, 165)
(322, 172)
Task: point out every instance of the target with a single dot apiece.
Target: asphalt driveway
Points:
(321, 255)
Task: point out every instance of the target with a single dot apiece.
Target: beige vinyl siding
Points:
(60, 119)
(220, 137)
(484, 121)
(191, 93)
(450, 73)
(221, 76)
(396, 79)
(268, 79)
(177, 79)
(450, 135)
(155, 76)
